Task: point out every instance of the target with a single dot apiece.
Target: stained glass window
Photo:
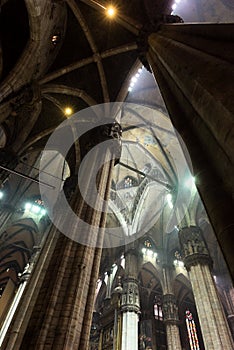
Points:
(148, 251)
(192, 331)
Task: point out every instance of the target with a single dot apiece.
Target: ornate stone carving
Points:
(130, 296)
(112, 131)
(25, 275)
(26, 97)
(170, 309)
(152, 27)
(193, 246)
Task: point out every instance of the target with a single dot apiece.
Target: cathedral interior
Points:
(116, 175)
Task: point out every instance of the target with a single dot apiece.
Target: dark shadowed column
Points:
(194, 67)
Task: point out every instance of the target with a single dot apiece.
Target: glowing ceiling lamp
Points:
(110, 11)
(68, 111)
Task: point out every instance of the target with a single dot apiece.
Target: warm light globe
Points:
(110, 11)
(68, 111)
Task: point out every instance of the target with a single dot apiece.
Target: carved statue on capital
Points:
(130, 297)
(170, 309)
(194, 248)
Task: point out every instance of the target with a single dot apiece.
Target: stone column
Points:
(56, 310)
(108, 285)
(194, 67)
(229, 302)
(170, 316)
(116, 303)
(214, 327)
(20, 290)
(130, 304)
(170, 311)
(100, 340)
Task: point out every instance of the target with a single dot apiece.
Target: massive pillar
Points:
(56, 309)
(170, 316)
(170, 312)
(130, 304)
(214, 327)
(194, 67)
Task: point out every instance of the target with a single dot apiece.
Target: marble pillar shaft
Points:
(55, 316)
(129, 331)
(173, 337)
(130, 303)
(171, 319)
(194, 67)
(214, 327)
(87, 322)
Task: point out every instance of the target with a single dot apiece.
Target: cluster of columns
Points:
(215, 330)
(129, 306)
(196, 79)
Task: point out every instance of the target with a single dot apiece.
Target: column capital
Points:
(152, 27)
(130, 296)
(27, 96)
(170, 309)
(132, 251)
(194, 248)
(111, 130)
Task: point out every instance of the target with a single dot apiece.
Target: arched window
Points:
(148, 250)
(148, 244)
(36, 207)
(158, 315)
(192, 331)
